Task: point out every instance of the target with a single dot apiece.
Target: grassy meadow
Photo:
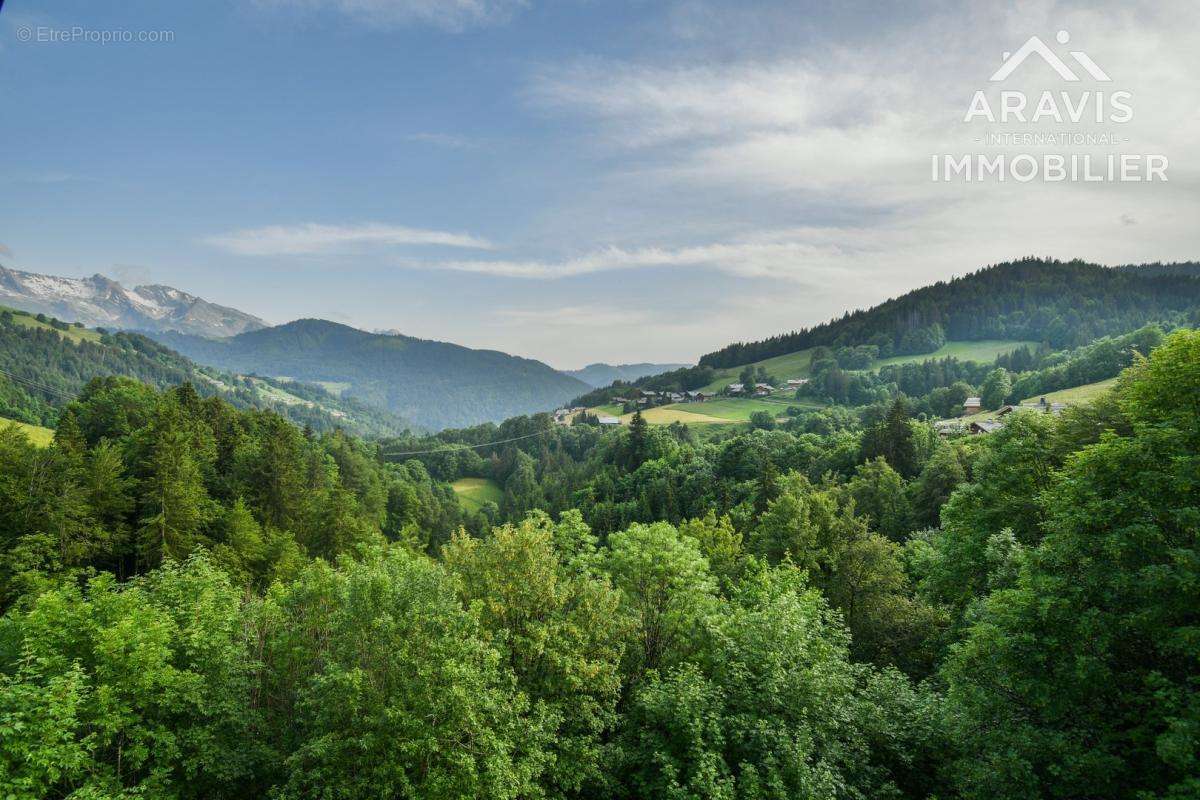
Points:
(474, 492)
(72, 333)
(42, 437)
(797, 365)
(1077, 395)
(982, 351)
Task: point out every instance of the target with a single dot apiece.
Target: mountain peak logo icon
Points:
(1035, 45)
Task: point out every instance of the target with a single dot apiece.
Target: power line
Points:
(39, 386)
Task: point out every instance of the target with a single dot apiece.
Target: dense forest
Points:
(434, 384)
(1065, 304)
(204, 601)
(44, 362)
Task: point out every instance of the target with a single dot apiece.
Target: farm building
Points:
(973, 405)
(609, 420)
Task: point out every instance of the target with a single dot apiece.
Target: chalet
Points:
(973, 405)
(796, 383)
(763, 389)
(735, 388)
(697, 397)
(676, 397)
(609, 420)
(985, 426)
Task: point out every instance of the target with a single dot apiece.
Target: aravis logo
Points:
(1035, 46)
(1059, 125)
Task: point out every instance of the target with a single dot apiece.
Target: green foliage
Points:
(141, 690)
(892, 439)
(135, 477)
(667, 589)
(1081, 679)
(995, 389)
(206, 602)
(879, 494)
(772, 708)
(558, 627)
(383, 685)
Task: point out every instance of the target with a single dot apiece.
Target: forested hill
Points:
(44, 363)
(435, 384)
(1066, 304)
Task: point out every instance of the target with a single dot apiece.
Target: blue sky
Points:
(572, 180)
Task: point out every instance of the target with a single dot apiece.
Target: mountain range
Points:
(437, 384)
(434, 384)
(598, 375)
(102, 302)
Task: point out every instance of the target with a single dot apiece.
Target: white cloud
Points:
(844, 130)
(448, 15)
(311, 238)
(767, 255)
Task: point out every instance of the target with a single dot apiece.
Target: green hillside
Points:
(1077, 395)
(1066, 304)
(45, 363)
(75, 333)
(435, 384)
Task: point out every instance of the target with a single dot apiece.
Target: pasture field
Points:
(798, 364)
(665, 415)
(983, 351)
(72, 333)
(735, 409)
(1077, 395)
(42, 437)
(474, 492)
(610, 410)
(792, 365)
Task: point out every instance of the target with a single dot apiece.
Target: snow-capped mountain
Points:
(102, 302)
